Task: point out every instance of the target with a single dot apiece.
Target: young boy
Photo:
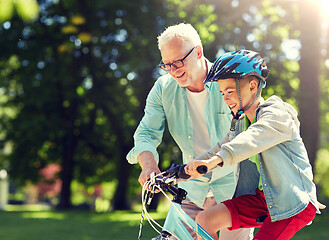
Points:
(266, 132)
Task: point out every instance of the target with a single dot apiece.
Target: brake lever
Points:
(151, 195)
(152, 183)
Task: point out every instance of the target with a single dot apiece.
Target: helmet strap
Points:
(242, 110)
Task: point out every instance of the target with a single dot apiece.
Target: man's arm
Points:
(148, 135)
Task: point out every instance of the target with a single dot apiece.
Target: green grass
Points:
(44, 223)
(27, 223)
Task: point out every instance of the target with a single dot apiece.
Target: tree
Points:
(309, 94)
(72, 87)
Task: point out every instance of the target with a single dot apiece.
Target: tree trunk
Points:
(67, 171)
(120, 200)
(69, 143)
(309, 76)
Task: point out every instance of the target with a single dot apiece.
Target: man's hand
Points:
(145, 174)
(148, 164)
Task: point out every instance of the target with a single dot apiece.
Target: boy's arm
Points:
(271, 129)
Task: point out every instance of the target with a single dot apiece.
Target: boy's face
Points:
(231, 97)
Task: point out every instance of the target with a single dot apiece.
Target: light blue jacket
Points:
(167, 101)
(284, 166)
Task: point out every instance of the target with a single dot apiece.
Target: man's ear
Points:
(199, 51)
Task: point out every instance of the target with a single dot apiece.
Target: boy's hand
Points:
(321, 206)
(190, 168)
(211, 163)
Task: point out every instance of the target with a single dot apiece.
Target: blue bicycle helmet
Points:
(238, 65)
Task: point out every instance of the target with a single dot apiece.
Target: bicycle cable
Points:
(149, 218)
(146, 186)
(144, 197)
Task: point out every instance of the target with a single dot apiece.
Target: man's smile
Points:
(179, 76)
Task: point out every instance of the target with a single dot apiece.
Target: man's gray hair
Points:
(184, 31)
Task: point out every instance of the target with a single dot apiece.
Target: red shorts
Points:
(247, 208)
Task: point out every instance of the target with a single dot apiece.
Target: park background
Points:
(74, 76)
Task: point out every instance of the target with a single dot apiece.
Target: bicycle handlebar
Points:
(202, 169)
(167, 180)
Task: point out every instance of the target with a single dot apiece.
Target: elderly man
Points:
(196, 116)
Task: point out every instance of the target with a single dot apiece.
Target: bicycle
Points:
(176, 217)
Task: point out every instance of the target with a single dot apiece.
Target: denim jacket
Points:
(167, 102)
(284, 166)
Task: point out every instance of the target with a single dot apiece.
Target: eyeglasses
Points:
(176, 64)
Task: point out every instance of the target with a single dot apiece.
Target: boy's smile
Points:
(248, 89)
(228, 90)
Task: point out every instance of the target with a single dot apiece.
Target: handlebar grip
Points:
(202, 169)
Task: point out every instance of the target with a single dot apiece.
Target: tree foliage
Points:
(27, 10)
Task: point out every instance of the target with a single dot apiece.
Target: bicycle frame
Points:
(174, 224)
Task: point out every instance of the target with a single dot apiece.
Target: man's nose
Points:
(173, 69)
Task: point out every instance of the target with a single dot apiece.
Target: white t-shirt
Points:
(196, 102)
